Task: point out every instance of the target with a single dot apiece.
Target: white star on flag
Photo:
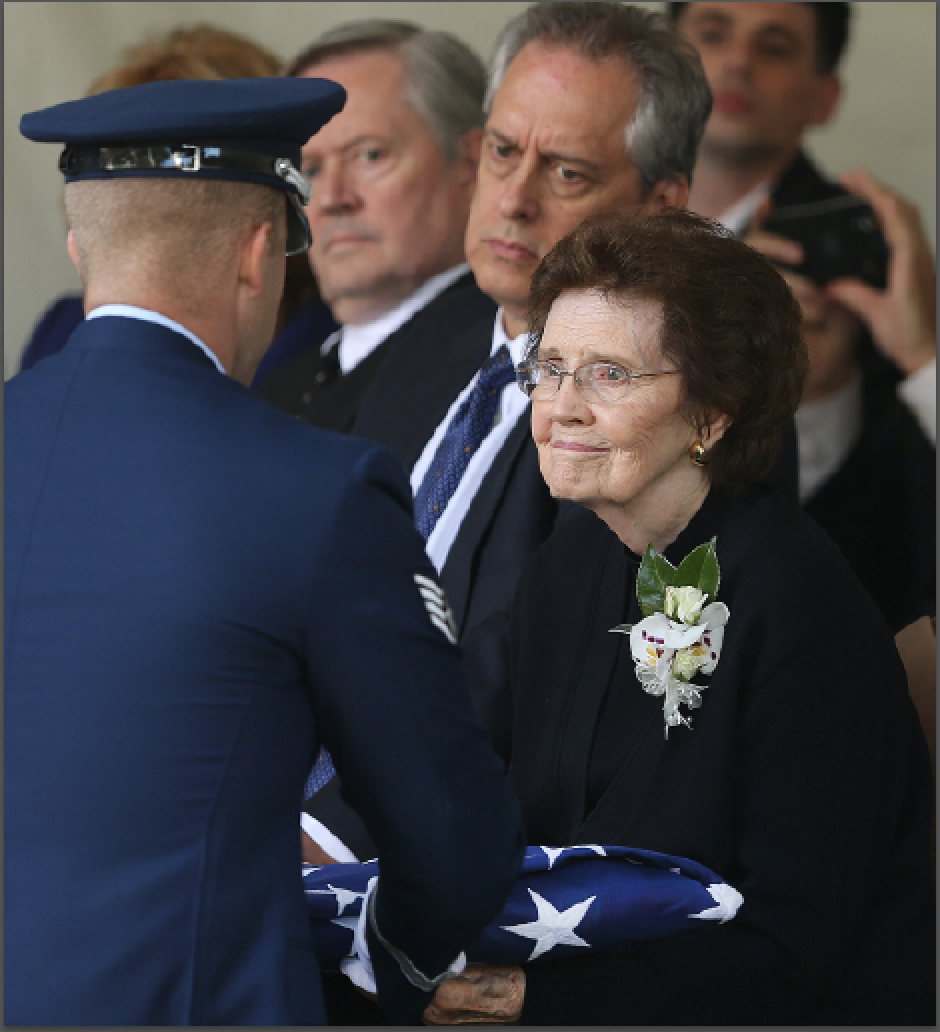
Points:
(553, 927)
(552, 854)
(344, 898)
(728, 899)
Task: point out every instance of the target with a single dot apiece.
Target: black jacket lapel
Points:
(587, 694)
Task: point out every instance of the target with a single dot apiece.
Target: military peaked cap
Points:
(246, 130)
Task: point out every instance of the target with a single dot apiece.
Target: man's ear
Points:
(72, 249)
(668, 193)
(252, 248)
(827, 94)
(469, 148)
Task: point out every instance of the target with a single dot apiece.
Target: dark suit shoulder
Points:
(803, 183)
(428, 365)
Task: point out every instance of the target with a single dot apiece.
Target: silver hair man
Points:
(445, 77)
(667, 127)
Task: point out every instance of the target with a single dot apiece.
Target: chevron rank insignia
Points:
(435, 602)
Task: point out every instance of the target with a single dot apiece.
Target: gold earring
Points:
(698, 454)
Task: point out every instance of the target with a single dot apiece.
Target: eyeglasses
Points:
(597, 381)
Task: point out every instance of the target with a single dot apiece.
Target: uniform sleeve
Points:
(394, 711)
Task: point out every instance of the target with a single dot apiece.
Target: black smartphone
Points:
(840, 237)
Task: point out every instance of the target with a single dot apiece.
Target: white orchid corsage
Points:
(683, 628)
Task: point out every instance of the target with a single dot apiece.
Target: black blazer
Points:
(804, 779)
(311, 386)
(513, 512)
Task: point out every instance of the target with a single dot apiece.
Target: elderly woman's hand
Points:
(482, 995)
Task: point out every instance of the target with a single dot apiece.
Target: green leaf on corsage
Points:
(655, 575)
(699, 569)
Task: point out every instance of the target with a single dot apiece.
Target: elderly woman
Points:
(666, 360)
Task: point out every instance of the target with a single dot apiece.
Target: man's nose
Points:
(519, 200)
(738, 54)
(334, 191)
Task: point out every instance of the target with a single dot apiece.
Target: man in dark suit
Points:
(866, 426)
(574, 128)
(391, 179)
(592, 108)
(199, 590)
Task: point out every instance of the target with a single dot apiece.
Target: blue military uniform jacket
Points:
(199, 591)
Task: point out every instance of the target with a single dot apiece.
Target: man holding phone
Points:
(866, 457)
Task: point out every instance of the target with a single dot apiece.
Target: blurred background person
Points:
(197, 52)
(392, 178)
(866, 423)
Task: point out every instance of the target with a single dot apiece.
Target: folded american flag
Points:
(564, 901)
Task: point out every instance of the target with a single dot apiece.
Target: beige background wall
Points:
(52, 51)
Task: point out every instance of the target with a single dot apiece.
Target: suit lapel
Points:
(586, 691)
(427, 365)
(457, 573)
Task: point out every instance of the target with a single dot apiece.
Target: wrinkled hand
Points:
(902, 318)
(829, 328)
(482, 995)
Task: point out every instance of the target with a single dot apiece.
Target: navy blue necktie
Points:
(472, 422)
(321, 772)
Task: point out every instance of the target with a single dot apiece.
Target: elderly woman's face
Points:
(633, 452)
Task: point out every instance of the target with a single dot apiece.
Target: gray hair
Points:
(445, 77)
(663, 138)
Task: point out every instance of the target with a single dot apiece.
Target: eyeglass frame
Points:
(574, 373)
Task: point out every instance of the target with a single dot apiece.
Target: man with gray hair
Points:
(392, 178)
(591, 108)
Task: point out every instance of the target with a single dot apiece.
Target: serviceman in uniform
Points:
(199, 592)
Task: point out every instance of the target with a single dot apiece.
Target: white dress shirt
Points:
(145, 315)
(919, 392)
(737, 218)
(513, 405)
(358, 340)
(826, 431)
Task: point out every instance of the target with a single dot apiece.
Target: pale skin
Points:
(237, 312)
(628, 460)
(389, 208)
(552, 156)
(760, 60)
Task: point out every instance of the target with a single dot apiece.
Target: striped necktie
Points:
(472, 422)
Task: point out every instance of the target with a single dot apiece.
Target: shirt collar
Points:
(358, 341)
(826, 432)
(737, 218)
(146, 315)
(517, 345)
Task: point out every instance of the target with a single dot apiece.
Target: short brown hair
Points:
(729, 323)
